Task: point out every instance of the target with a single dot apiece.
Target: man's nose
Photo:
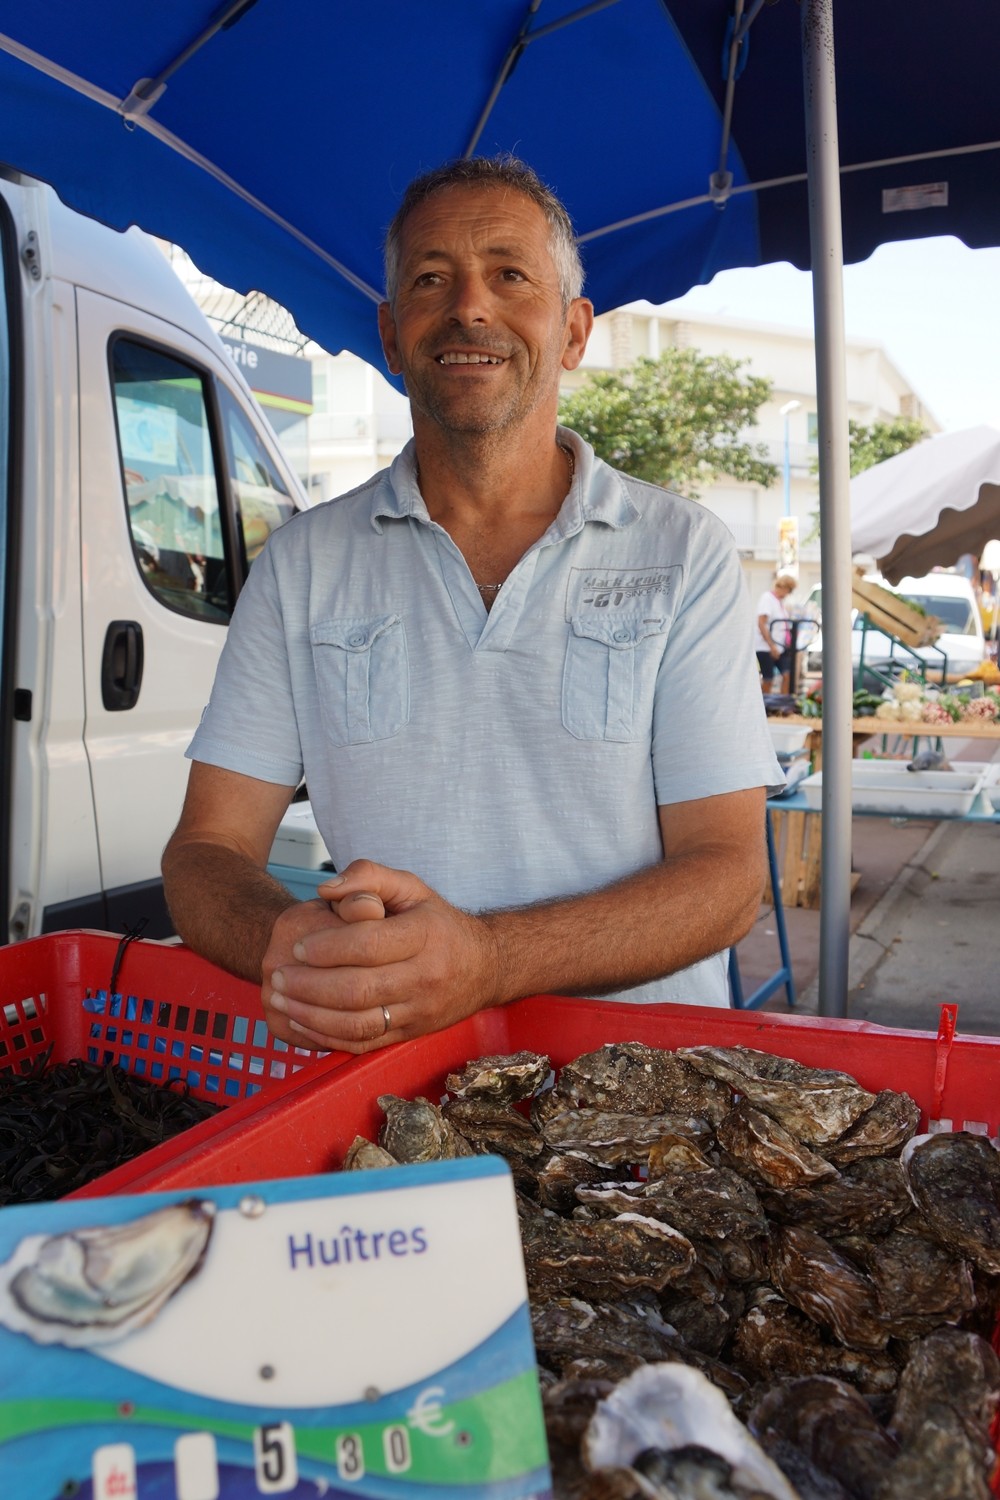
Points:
(469, 302)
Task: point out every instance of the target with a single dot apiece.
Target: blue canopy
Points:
(272, 138)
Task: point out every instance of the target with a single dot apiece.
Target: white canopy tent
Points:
(927, 507)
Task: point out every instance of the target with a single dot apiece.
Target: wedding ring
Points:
(386, 1018)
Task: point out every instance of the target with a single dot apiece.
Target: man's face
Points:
(478, 330)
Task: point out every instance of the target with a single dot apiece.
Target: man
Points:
(500, 665)
(773, 647)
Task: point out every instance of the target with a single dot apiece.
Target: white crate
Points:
(888, 787)
(788, 737)
(298, 842)
(991, 786)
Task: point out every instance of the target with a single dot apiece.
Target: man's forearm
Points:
(653, 923)
(223, 905)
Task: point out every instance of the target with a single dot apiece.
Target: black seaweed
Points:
(64, 1124)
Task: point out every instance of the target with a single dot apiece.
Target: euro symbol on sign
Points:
(425, 1413)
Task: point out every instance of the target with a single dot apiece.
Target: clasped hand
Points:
(375, 937)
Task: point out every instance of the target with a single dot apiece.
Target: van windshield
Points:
(955, 614)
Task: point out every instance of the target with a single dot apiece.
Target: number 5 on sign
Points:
(274, 1460)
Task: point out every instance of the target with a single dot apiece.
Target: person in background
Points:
(774, 652)
(503, 669)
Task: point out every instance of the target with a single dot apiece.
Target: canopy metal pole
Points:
(826, 242)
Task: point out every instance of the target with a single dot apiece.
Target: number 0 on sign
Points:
(357, 1334)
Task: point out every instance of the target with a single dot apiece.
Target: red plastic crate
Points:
(308, 1127)
(155, 1009)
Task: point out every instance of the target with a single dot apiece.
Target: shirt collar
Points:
(598, 492)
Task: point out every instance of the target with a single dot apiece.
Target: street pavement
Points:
(925, 928)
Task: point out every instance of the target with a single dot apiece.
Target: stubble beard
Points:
(476, 414)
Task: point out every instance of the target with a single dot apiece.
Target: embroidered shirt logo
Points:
(620, 587)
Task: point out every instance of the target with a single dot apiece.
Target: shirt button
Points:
(357, 639)
(622, 635)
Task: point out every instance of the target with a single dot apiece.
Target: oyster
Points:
(557, 1179)
(810, 1274)
(415, 1130)
(769, 1155)
(628, 1251)
(815, 1104)
(774, 1340)
(808, 1482)
(955, 1369)
(587, 1340)
(882, 1130)
(920, 1285)
(497, 1127)
(833, 1426)
(940, 1464)
(92, 1286)
(364, 1155)
(637, 1079)
(955, 1182)
(611, 1139)
(670, 1407)
(569, 1404)
(704, 1325)
(699, 1200)
(500, 1079)
(869, 1196)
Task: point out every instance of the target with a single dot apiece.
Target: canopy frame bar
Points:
(796, 177)
(513, 55)
(146, 91)
(174, 143)
(721, 181)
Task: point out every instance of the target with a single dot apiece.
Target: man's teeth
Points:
(470, 359)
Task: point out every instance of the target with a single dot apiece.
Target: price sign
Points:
(361, 1333)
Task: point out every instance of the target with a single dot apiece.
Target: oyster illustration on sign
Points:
(96, 1285)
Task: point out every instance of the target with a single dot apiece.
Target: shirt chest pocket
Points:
(362, 676)
(609, 679)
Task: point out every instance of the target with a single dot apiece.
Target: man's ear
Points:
(579, 322)
(387, 333)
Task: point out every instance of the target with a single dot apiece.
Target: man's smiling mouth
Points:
(457, 358)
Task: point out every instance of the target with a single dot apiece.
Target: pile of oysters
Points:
(749, 1279)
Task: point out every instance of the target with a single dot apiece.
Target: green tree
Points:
(872, 445)
(676, 421)
(882, 440)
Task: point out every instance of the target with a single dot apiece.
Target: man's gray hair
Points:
(504, 172)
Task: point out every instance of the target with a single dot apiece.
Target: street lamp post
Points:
(788, 407)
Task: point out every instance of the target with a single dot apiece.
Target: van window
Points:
(171, 489)
(956, 614)
(262, 500)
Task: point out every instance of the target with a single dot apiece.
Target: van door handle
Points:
(121, 665)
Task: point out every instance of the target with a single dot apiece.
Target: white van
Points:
(959, 648)
(138, 480)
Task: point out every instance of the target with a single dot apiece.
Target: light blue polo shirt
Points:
(510, 756)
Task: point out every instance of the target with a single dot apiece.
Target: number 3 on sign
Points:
(350, 1456)
(274, 1459)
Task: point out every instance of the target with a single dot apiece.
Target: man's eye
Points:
(510, 273)
(428, 278)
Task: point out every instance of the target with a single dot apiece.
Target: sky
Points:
(933, 305)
